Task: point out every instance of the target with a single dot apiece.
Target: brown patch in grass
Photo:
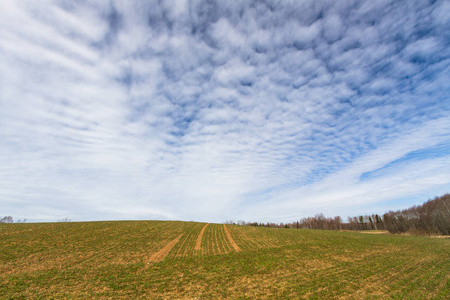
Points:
(368, 231)
(232, 242)
(440, 236)
(161, 254)
(199, 238)
(187, 243)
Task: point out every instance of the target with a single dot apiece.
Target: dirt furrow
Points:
(232, 242)
(199, 238)
(224, 242)
(180, 248)
(161, 254)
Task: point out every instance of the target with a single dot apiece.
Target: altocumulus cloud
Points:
(217, 110)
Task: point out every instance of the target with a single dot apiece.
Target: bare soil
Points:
(161, 254)
(199, 238)
(232, 242)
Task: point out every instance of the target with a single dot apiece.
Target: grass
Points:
(112, 260)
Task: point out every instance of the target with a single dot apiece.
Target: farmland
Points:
(159, 259)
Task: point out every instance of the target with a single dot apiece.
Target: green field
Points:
(156, 259)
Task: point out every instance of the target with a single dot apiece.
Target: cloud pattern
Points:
(216, 110)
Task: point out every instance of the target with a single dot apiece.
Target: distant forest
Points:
(430, 218)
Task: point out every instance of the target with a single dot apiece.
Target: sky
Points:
(222, 110)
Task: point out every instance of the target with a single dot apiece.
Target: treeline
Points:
(366, 222)
(319, 221)
(9, 219)
(432, 217)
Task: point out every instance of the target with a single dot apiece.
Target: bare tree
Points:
(65, 220)
(433, 217)
(7, 219)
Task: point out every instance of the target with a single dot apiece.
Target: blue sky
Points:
(222, 110)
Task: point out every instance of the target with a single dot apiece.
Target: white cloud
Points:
(184, 110)
(333, 28)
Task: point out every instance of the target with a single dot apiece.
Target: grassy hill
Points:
(156, 259)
